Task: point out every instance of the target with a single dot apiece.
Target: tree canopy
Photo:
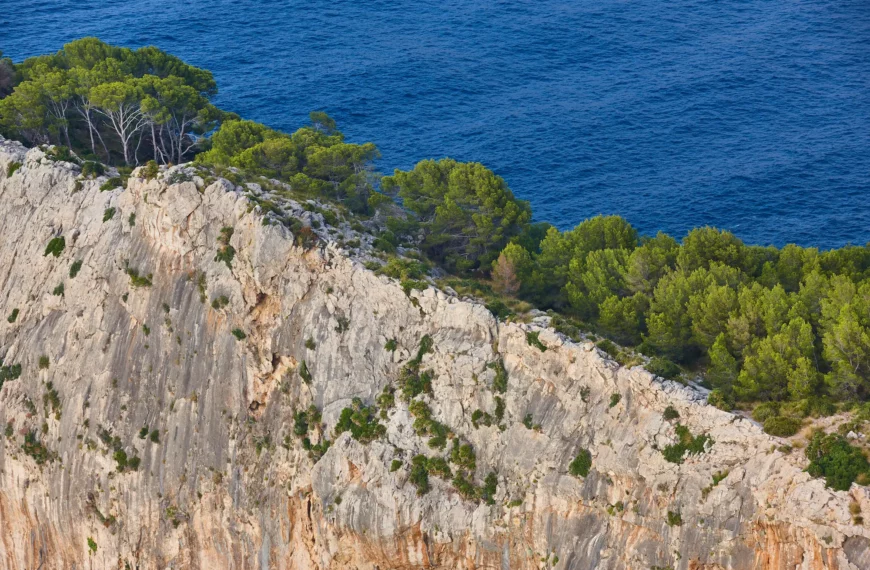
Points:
(108, 103)
(466, 212)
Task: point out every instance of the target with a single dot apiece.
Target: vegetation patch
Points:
(361, 421)
(75, 268)
(581, 464)
(13, 316)
(841, 464)
(225, 252)
(55, 247)
(688, 444)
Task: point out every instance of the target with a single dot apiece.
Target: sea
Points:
(747, 115)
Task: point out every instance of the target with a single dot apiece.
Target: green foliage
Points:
(154, 436)
(310, 344)
(361, 421)
(782, 426)
(386, 401)
(91, 169)
(425, 425)
(463, 456)
(225, 252)
(419, 475)
(13, 316)
(833, 458)
(671, 413)
(304, 373)
(220, 302)
(687, 444)
(721, 399)
(533, 340)
(75, 268)
(467, 213)
(111, 184)
(395, 465)
(500, 382)
(581, 464)
(663, 367)
(674, 519)
(9, 372)
(239, 334)
(55, 247)
(33, 448)
(108, 214)
(489, 489)
(137, 280)
(614, 400)
(92, 546)
(43, 362)
(12, 169)
(150, 170)
(391, 345)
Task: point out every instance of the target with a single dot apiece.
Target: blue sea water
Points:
(750, 115)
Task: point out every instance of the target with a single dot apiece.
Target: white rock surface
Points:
(205, 497)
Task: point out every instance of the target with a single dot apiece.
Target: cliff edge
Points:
(175, 366)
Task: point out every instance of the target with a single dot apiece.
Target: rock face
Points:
(111, 363)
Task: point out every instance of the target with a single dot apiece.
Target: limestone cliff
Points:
(194, 367)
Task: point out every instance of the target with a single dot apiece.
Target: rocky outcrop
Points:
(191, 365)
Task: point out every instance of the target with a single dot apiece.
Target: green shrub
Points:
(391, 345)
(782, 426)
(608, 347)
(108, 214)
(581, 464)
(663, 367)
(154, 436)
(111, 184)
(33, 448)
(395, 465)
(43, 362)
(75, 268)
(12, 168)
(304, 373)
(614, 399)
(226, 252)
(463, 456)
(832, 457)
(91, 169)
(58, 291)
(533, 340)
(687, 444)
(386, 401)
(765, 410)
(674, 519)
(92, 546)
(137, 280)
(500, 382)
(361, 421)
(310, 344)
(528, 421)
(55, 247)
(131, 219)
(671, 413)
(419, 475)
(721, 399)
(220, 302)
(143, 433)
(489, 489)
(13, 316)
(239, 334)
(150, 170)
(438, 466)
(499, 409)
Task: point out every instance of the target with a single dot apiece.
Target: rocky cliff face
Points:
(194, 368)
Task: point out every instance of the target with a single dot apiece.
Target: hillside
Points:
(177, 388)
